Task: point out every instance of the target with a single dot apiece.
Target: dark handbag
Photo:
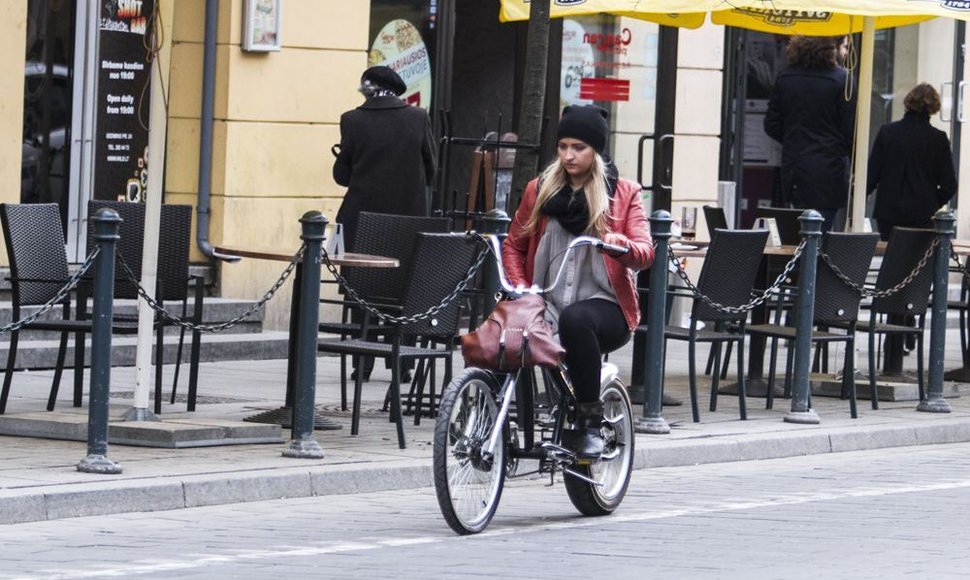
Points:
(515, 335)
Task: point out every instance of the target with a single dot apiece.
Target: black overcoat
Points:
(386, 160)
(912, 166)
(811, 118)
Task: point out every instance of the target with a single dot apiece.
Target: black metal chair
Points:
(173, 279)
(715, 218)
(727, 277)
(378, 234)
(440, 262)
(836, 306)
(34, 238)
(892, 315)
(789, 228)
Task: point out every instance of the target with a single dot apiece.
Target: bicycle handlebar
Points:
(492, 241)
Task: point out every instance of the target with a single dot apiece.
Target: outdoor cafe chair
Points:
(173, 280)
(440, 263)
(836, 305)
(727, 277)
(715, 219)
(392, 236)
(902, 313)
(34, 237)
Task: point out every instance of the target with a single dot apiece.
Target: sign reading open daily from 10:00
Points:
(399, 45)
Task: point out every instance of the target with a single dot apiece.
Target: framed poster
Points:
(261, 25)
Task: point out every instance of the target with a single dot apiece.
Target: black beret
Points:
(588, 123)
(385, 77)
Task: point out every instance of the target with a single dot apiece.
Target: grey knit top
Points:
(584, 276)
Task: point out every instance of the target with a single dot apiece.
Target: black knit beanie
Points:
(385, 77)
(588, 123)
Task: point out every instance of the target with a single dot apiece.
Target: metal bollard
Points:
(106, 224)
(495, 221)
(651, 421)
(302, 445)
(801, 412)
(934, 401)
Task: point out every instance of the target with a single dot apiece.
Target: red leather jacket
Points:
(628, 228)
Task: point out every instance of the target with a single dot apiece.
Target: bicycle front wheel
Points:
(612, 470)
(468, 478)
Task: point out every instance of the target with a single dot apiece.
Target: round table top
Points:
(343, 259)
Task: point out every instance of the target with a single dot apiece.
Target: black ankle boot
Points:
(587, 440)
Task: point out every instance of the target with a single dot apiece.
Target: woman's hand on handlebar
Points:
(613, 245)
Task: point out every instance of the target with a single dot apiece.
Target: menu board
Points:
(121, 136)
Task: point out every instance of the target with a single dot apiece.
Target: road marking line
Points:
(202, 560)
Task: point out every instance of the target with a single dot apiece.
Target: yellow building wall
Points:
(13, 31)
(277, 115)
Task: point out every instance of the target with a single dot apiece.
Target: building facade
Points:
(685, 104)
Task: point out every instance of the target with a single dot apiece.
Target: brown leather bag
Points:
(515, 335)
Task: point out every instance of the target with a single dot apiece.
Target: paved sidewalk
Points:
(38, 479)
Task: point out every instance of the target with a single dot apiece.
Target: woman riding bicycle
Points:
(596, 308)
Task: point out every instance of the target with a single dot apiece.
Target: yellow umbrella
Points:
(774, 16)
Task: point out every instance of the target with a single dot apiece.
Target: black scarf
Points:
(570, 209)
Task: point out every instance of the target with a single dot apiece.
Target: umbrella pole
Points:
(140, 410)
(863, 114)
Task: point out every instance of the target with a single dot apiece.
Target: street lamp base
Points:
(98, 464)
(937, 405)
(809, 417)
(651, 426)
(304, 449)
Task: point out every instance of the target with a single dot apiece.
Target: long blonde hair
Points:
(554, 178)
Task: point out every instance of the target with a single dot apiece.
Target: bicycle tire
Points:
(468, 487)
(615, 466)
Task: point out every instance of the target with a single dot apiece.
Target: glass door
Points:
(48, 104)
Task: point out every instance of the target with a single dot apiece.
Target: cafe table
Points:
(284, 415)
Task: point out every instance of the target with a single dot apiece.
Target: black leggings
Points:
(587, 329)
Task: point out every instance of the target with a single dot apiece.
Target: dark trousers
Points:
(587, 330)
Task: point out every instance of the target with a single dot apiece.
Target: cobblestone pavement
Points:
(890, 513)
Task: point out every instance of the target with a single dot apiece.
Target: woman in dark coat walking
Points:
(912, 166)
(810, 116)
(386, 157)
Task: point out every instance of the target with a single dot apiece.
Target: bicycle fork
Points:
(503, 414)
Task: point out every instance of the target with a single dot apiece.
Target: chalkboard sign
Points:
(121, 137)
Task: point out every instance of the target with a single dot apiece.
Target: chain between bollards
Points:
(302, 445)
(651, 421)
(106, 224)
(934, 401)
(801, 411)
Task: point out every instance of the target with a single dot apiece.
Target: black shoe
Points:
(587, 440)
(353, 375)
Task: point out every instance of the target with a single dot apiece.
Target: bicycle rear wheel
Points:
(468, 481)
(613, 469)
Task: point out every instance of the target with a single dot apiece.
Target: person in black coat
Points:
(386, 156)
(912, 166)
(809, 114)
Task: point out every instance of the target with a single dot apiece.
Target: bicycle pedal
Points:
(549, 446)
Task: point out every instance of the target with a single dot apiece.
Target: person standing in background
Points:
(386, 156)
(812, 117)
(911, 165)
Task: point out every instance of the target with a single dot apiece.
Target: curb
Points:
(52, 502)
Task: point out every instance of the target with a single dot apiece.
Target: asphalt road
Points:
(895, 513)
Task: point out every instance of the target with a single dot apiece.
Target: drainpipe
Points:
(203, 207)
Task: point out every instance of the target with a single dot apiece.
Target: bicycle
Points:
(477, 440)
